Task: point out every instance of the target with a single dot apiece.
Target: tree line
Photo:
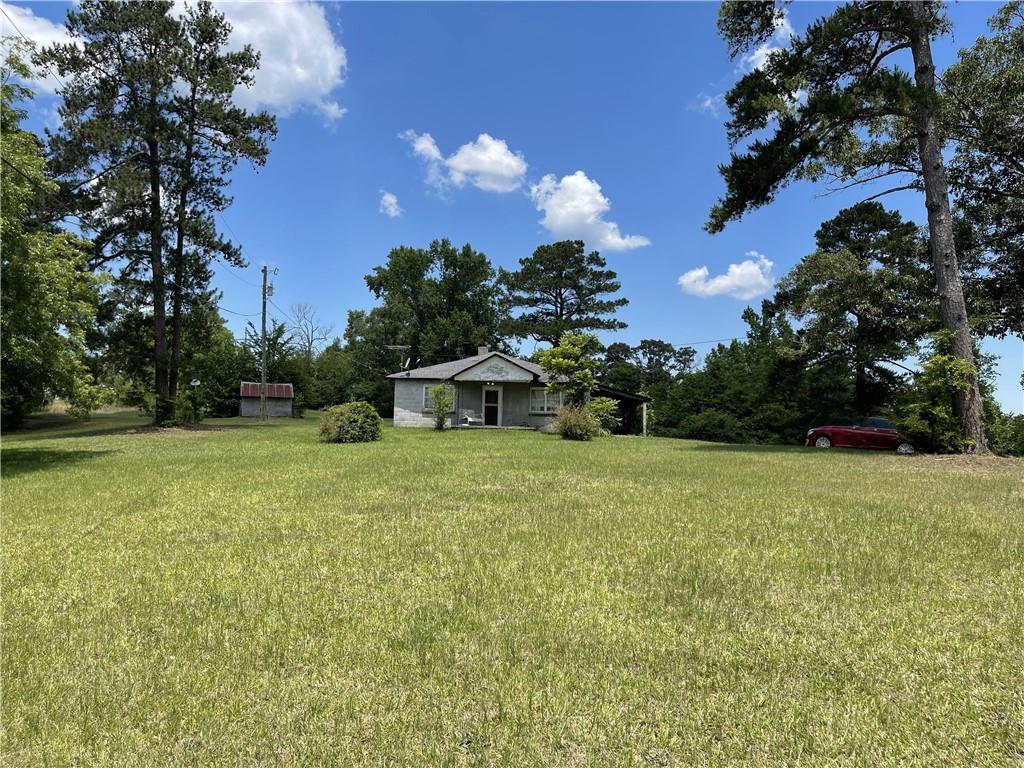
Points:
(110, 235)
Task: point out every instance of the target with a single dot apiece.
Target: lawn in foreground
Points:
(248, 596)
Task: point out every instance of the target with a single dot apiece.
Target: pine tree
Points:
(862, 297)
(839, 106)
(561, 287)
(148, 135)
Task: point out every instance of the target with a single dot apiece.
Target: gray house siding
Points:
(277, 407)
(469, 377)
(515, 404)
(409, 403)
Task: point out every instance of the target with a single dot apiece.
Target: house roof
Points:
(452, 368)
(252, 389)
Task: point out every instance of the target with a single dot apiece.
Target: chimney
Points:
(483, 350)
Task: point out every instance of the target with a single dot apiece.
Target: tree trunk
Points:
(176, 323)
(164, 406)
(952, 306)
(860, 389)
(179, 257)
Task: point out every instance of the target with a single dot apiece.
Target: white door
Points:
(492, 406)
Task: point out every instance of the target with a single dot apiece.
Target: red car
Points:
(871, 433)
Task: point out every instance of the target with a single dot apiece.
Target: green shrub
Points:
(443, 398)
(189, 406)
(356, 422)
(1006, 434)
(606, 411)
(576, 422)
(715, 426)
(84, 399)
(925, 412)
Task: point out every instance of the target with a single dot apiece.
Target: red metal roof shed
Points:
(252, 389)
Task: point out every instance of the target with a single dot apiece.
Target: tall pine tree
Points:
(562, 288)
(838, 105)
(149, 133)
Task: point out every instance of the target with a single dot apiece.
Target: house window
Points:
(542, 401)
(428, 401)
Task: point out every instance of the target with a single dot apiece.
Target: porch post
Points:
(643, 409)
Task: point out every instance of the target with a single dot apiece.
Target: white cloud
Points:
(573, 206)
(751, 277)
(425, 148)
(389, 205)
(758, 57)
(486, 163)
(574, 209)
(39, 30)
(709, 103)
(301, 62)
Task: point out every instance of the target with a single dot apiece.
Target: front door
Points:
(492, 407)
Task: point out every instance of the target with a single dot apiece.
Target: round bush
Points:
(574, 422)
(716, 427)
(356, 422)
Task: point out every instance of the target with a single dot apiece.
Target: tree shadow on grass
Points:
(58, 427)
(22, 461)
(48, 426)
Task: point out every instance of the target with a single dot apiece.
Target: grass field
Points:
(246, 596)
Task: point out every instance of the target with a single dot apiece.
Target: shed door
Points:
(492, 407)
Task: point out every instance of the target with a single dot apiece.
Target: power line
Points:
(235, 272)
(282, 311)
(26, 177)
(32, 42)
(240, 314)
(224, 221)
(709, 341)
(238, 277)
(45, 191)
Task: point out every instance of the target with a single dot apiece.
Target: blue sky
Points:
(545, 121)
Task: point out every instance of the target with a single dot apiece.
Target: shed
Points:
(279, 399)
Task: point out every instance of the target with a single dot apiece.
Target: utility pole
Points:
(263, 351)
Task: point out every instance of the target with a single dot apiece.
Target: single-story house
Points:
(279, 399)
(491, 389)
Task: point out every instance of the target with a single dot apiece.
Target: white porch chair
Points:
(469, 418)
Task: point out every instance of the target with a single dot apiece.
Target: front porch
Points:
(503, 404)
(492, 390)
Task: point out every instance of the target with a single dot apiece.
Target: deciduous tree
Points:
(48, 299)
(441, 301)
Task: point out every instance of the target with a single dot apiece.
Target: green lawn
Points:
(247, 596)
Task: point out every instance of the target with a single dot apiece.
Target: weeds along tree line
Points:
(111, 232)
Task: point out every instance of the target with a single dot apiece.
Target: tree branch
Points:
(891, 190)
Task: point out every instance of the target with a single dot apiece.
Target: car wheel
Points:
(905, 449)
(822, 442)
